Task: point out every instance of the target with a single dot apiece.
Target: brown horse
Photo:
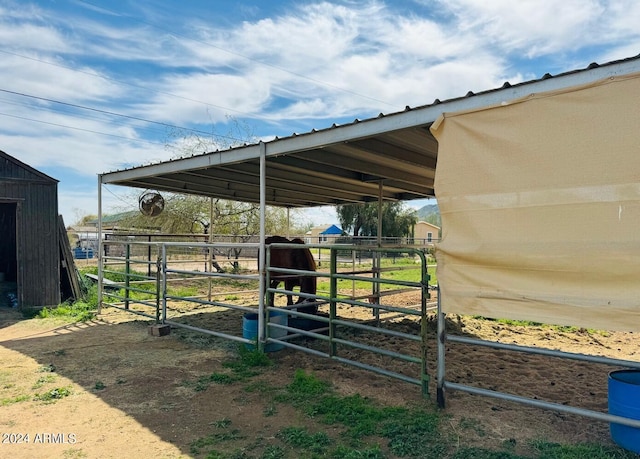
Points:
(292, 259)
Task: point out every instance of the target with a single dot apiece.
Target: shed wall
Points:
(38, 252)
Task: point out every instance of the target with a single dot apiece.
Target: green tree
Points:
(362, 219)
(188, 214)
(201, 215)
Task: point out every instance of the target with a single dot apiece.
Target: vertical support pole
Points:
(375, 294)
(333, 296)
(424, 296)
(288, 222)
(162, 268)
(442, 335)
(100, 244)
(353, 273)
(380, 213)
(210, 249)
(149, 256)
(261, 250)
(127, 274)
(159, 290)
(377, 261)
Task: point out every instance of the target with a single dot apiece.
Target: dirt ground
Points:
(128, 394)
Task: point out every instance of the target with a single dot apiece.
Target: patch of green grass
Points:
(204, 382)
(16, 399)
(53, 395)
(410, 272)
(301, 438)
(47, 368)
(305, 386)
(99, 385)
(222, 423)
(407, 432)
(548, 450)
(247, 365)
(43, 380)
(481, 453)
(363, 428)
(345, 452)
(250, 363)
(261, 387)
(78, 311)
(183, 291)
(216, 439)
(270, 410)
(415, 433)
(355, 412)
(274, 452)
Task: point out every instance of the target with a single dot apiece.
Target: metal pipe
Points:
(333, 296)
(210, 332)
(546, 405)
(127, 272)
(164, 283)
(261, 251)
(424, 295)
(441, 339)
(100, 244)
(541, 351)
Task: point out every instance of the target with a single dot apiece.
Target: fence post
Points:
(149, 257)
(333, 294)
(375, 294)
(127, 268)
(441, 352)
(162, 280)
(425, 294)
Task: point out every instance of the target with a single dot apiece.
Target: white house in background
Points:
(425, 233)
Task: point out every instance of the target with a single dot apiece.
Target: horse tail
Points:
(311, 262)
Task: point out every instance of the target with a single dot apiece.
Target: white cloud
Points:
(294, 66)
(542, 27)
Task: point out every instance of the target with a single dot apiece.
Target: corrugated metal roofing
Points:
(346, 163)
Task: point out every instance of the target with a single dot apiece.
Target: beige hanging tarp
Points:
(540, 204)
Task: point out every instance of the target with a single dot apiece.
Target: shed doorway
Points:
(8, 253)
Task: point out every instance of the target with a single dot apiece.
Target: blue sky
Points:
(93, 86)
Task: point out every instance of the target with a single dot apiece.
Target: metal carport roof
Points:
(341, 164)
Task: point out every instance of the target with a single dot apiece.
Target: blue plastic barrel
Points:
(250, 329)
(624, 400)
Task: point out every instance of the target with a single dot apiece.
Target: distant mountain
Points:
(430, 213)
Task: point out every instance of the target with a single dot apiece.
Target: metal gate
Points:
(372, 301)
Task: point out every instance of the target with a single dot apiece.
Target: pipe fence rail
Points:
(359, 320)
(443, 384)
(177, 283)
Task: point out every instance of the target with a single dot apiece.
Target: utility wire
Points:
(106, 112)
(104, 77)
(80, 129)
(74, 114)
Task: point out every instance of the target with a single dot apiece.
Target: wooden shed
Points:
(29, 235)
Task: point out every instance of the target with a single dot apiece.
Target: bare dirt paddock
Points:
(107, 388)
